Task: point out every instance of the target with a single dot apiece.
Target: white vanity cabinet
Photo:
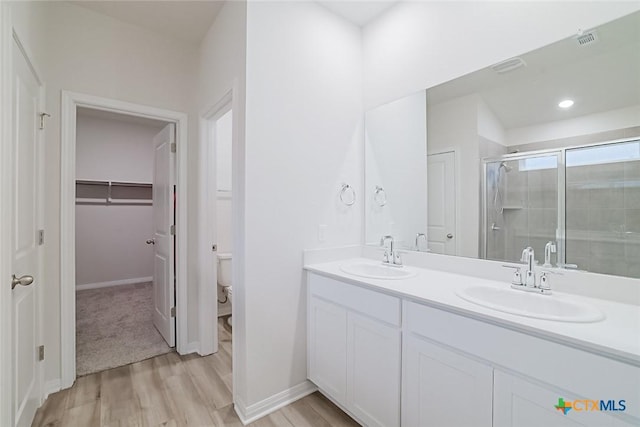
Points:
(518, 402)
(354, 348)
(491, 375)
(444, 388)
(391, 361)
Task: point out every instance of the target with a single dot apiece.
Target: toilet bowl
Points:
(224, 276)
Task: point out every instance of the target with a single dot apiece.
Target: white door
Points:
(164, 249)
(25, 248)
(443, 388)
(373, 371)
(441, 214)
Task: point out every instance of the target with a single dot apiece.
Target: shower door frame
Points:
(561, 230)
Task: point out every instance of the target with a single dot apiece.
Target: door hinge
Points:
(42, 116)
(40, 237)
(173, 312)
(41, 353)
(174, 147)
(173, 230)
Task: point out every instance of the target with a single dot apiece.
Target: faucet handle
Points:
(397, 260)
(545, 287)
(517, 275)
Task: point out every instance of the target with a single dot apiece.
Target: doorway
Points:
(167, 143)
(217, 263)
(124, 248)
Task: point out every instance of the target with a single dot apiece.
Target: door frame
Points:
(208, 194)
(70, 102)
(9, 36)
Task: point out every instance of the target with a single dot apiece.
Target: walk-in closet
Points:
(114, 240)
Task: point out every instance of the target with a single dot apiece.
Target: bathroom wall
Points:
(304, 138)
(395, 159)
(417, 45)
(221, 68)
(612, 121)
(224, 145)
(110, 239)
(83, 51)
(467, 125)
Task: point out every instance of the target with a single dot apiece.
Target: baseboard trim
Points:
(249, 414)
(51, 387)
(114, 283)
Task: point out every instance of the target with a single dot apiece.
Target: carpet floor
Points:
(114, 327)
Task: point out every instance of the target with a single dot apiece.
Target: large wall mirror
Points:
(542, 150)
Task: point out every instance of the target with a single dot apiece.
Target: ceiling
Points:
(184, 20)
(189, 20)
(358, 12)
(601, 76)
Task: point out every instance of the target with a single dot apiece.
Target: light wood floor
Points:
(173, 390)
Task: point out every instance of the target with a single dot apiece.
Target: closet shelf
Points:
(113, 192)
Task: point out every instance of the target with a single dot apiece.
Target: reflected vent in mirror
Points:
(508, 65)
(587, 38)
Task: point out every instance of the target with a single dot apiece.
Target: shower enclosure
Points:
(586, 200)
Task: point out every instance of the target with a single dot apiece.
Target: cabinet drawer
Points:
(371, 303)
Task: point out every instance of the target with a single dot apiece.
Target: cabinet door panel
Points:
(373, 374)
(327, 347)
(443, 388)
(518, 402)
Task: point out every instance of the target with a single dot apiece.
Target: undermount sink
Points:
(548, 307)
(377, 271)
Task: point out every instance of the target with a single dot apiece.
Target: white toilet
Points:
(224, 276)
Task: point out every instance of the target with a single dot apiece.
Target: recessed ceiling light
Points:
(565, 103)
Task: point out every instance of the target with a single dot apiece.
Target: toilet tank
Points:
(224, 269)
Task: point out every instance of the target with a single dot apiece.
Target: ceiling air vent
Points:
(587, 38)
(508, 65)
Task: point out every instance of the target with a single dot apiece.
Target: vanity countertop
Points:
(617, 336)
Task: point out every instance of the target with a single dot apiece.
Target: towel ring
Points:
(344, 194)
(380, 196)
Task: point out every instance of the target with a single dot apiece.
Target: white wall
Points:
(396, 159)
(221, 68)
(110, 239)
(303, 138)
(593, 123)
(453, 125)
(417, 45)
(86, 52)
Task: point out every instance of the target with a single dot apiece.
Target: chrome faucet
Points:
(528, 282)
(528, 256)
(549, 248)
(391, 256)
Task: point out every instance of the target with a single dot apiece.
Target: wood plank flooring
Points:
(173, 390)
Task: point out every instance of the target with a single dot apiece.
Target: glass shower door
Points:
(603, 208)
(521, 206)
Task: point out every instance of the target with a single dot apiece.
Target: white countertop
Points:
(617, 336)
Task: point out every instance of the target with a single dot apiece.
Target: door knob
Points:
(22, 281)
(449, 236)
(151, 242)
